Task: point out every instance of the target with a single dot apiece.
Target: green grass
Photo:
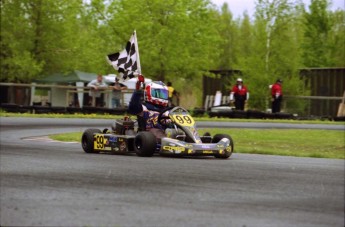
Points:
(287, 142)
(67, 137)
(55, 115)
(203, 118)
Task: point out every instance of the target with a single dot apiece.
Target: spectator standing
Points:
(171, 91)
(277, 96)
(239, 94)
(117, 93)
(96, 86)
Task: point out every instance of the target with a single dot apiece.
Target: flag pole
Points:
(137, 51)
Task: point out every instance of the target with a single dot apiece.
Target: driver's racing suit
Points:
(147, 114)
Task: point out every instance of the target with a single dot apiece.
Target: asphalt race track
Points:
(49, 183)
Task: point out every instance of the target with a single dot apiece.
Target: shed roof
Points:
(71, 77)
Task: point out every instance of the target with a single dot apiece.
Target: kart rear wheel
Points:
(87, 140)
(206, 138)
(145, 144)
(217, 138)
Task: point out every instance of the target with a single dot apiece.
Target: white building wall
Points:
(58, 97)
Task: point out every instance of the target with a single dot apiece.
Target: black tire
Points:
(217, 138)
(207, 134)
(283, 116)
(207, 139)
(87, 140)
(145, 144)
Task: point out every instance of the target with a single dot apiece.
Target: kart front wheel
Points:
(87, 140)
(145, 144)
(227, 153)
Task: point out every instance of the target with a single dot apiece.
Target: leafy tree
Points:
(317, 31)
(228, 47)
(337, 39)
(38, 37)
(179, 40)
(245, 41)
(275, 48)
(18, 63)
(175, 36)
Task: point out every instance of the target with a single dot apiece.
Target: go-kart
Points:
(181, 138)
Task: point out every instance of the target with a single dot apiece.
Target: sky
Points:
(237, 7)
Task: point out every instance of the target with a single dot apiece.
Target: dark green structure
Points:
(324, 84)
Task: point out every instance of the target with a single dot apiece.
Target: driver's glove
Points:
(140, 80)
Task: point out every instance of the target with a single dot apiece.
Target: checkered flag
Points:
(127, 62)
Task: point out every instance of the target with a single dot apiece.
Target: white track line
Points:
(44, 139)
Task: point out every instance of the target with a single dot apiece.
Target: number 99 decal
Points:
(99, 142)
(184, 120)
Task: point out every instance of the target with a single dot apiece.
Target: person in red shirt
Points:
(239, 94)
(277, 96)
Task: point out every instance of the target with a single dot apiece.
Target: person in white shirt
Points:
(97, 86)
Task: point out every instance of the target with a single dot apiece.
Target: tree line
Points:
(179, 40)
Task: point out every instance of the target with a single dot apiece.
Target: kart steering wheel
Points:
(162, 119)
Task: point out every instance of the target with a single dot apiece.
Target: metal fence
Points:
(326, 86)
(59, 98)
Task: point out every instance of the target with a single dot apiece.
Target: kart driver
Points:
(155, 100)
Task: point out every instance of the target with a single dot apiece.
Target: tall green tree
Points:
(275, 48)
(176, 37)
(38, 37)
(18, 51)
(245, 41)
(317, 34)
(228, 30)
(179, 40)
(337, 39)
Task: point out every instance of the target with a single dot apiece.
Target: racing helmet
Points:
(156, 93)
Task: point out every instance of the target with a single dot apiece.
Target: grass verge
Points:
(287, 142)
(204, 118)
